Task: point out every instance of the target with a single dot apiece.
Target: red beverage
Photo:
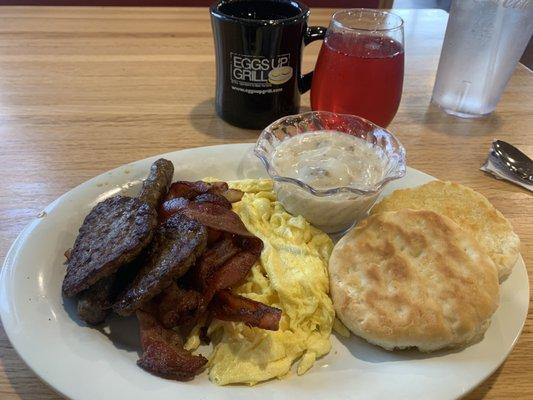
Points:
(361, 76)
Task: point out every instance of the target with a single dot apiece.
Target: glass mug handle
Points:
(312, 33)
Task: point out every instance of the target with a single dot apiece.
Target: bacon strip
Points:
(191, 189)
(212, 236)
(232, 252)
(213, 258)
(214, 194)
(187, 190)
(163, 352)
(213, 198)
(216, 217)
(234, 271)
(228, 306)
(171, 207)
(178, 204)
(177, 306)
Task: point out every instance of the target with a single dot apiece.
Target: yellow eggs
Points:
(291, 275)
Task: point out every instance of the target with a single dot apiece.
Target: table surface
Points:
(84, 90)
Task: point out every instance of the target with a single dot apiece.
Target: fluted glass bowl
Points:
(334, 209)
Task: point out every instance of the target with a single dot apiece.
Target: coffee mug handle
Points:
(311, 34)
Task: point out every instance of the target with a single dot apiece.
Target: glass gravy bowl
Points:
(331, 209)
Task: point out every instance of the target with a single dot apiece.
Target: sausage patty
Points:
(175, 246)
(113, 234)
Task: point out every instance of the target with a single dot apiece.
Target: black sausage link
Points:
(94, 303)
(158, 182)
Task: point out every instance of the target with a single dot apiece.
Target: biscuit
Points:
(470, 210)
(413, 279)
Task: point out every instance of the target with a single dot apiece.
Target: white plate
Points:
(84, 363)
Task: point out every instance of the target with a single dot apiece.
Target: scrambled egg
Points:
(291, 275)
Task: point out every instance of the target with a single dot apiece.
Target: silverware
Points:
(513, 160)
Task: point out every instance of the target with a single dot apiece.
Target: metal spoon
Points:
(516, 162)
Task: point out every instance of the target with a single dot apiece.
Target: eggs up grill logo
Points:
(260, 72)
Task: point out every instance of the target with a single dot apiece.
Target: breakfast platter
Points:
(83, 362)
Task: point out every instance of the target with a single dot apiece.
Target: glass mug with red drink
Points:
(360, 66)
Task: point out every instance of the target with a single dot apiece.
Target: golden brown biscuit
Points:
(413, 279)
(470, 210)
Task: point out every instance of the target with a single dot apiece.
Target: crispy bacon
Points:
(163, 352)
(232, 251)
(222, 189)
(177, 306)
(216, 217)
(213, 236)
(213, 198)
(187, 190)
(181, 192)
(191, 189)
(171, 207)
(213, 258)
(234, 271)
(228, 306)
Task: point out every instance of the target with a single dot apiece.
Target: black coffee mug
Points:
(258, 45)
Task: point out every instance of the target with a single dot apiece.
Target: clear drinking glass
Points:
(360, 67)
(483, 43)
